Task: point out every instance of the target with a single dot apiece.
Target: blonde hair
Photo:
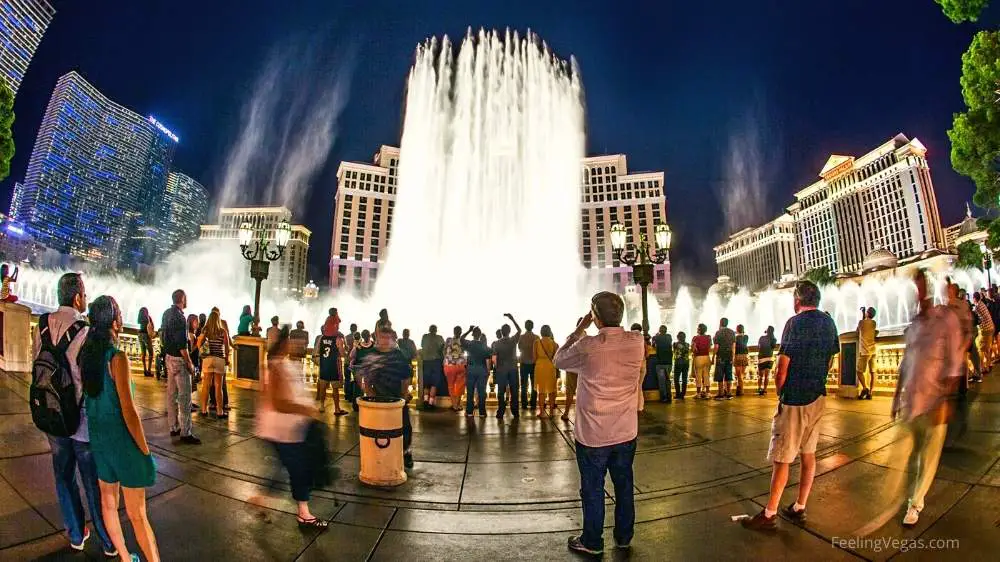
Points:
(213, 326)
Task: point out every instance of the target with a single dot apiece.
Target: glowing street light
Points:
(256, 248)
(640, 259)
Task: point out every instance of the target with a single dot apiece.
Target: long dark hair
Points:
(93, 354)
(143, 316)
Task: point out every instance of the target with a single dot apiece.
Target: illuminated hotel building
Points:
(22, 25)
(95, 172)
(362, 222)
(755, 257)
(288, 274)
(882, 201)
(366, 196)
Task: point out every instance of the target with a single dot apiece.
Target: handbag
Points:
(318, 454)
(550, 357)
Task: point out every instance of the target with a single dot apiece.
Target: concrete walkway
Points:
(486, 490)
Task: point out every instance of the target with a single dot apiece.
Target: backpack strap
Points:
(43, 328)
(70, 335)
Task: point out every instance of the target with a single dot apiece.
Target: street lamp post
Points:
(640, 259)
(256, 248)
(987, 262)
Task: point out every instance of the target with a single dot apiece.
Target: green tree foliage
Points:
(963, 10)
(969, 255)
(975, 134)
(820, 276)
(6, 134)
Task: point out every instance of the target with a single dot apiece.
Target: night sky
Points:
(736, 101)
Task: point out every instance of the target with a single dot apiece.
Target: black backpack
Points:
(52, 395)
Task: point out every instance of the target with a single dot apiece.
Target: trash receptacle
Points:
(381, 426)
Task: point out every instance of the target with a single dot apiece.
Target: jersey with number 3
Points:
(328, 354)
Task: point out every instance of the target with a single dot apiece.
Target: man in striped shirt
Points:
(607, 424)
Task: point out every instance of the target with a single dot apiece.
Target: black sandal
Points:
(314, 523)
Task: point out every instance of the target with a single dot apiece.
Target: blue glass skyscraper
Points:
(22, 25)
(95, 173)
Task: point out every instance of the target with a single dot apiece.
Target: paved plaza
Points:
(489, 490)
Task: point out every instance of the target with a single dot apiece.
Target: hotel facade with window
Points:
(366, 197)
(22, 26)
(881, 201)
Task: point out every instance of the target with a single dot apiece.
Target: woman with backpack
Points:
(545, 371)
(117, 440)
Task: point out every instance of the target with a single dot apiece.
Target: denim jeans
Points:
(681, 378)
(529, 395)
(68, 455)
(475, 381)
(178, 395)
(663, 380)
(594, 463)
(506, 381)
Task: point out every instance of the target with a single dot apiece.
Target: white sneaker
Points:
(911, 517)
(86, 535)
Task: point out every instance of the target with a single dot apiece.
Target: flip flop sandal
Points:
(314, 523)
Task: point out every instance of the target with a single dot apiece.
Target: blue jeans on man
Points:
(663, 380)
(475, 382)
(529, 396)
(507, 381)
(594, 463)
(68, 455)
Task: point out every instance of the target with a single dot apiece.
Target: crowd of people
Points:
(603, 380)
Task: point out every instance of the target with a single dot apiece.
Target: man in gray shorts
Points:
(808, 344)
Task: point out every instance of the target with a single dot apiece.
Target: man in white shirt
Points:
(608, 368)
(72, 453)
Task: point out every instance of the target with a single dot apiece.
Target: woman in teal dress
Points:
(117, 441)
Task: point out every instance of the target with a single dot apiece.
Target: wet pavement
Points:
(484, 489)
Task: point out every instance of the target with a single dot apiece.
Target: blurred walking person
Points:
(929, 375)
(607, 421)
(986, 332)
(283, 419)
(121, 453)
(215, 340)
(387, 373)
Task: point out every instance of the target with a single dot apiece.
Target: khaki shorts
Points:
(211, 365)
(794, 430)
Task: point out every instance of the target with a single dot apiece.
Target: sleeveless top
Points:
(276, 426)
(741, 344)
(329, 355)
(216, 345)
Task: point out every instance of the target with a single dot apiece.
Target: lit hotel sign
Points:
(163, 129)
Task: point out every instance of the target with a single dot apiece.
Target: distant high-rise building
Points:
(183, 209)
(96, 175)
(286, 275)
(22, 25)
(366, 198)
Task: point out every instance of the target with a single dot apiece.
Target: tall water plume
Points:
(288, 127)
(744, 194)
(488, 212)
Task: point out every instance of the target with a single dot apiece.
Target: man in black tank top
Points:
(329, 351)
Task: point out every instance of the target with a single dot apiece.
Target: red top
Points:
(701, 345)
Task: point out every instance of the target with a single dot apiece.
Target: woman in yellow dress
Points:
(545, 371)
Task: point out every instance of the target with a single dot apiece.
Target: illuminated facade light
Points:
(163, 129)
(22, 25)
